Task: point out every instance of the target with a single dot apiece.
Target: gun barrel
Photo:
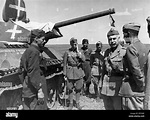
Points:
(84, 18)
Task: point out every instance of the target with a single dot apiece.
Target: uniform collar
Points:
(32, 45)
(135, 40)
(85, 49)
(70, 49)
(116, 52)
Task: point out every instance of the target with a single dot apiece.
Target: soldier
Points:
(86, 51)
(112, 74)
(147, 86)
(72, 70)
(133, 85)
(34, 83)
(96, 61)
(148, 25)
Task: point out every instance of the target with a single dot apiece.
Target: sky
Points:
(94, 30)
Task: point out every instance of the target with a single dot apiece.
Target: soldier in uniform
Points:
(72, 69)
(113, 73)
(96, 61)
(133, 85)
(86, 51)
(34, 83)
(147, 81)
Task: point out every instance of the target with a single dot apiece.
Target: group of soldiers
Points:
(120, 74)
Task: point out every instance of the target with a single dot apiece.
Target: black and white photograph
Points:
(75, 55)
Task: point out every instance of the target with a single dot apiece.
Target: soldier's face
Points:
(113, 40)
(74, 45)
(85, 45)
(41, 41)
(98, 47)
(126, 37)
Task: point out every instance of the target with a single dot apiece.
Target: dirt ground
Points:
(87, 103)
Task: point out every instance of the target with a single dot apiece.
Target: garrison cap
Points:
(132, 26)
(37, 33)
(112, 32)
(85, 40)
(98, 43)
(73, 40)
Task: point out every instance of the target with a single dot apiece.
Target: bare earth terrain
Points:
(85, 102)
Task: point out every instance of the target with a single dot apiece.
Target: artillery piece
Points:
(11, 86)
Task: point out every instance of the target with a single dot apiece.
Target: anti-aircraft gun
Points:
(10, 58)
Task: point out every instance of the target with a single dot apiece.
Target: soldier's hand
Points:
(64, 73)
(65, 78)
(40, 93)
(40, 97)
(79, 54)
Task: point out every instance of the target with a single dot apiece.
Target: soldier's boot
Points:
(78, 106)
(95, 90)
(97, 94)
(87, 92)
(71, 101)
(70, 106)
(77, 101)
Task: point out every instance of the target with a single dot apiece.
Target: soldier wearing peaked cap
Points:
(72, 69)
(113, 73)
(133, 85)
(34, 83)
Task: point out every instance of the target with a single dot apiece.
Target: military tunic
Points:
(113, 72)
(31, 74)
(86, 64)
(86, 68)
(112, 76)
(73, 71)
(72, 65)
(133, 88)
(96, 61)
(147, 86)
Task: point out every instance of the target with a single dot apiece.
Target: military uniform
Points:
(147, 85)
(96, 61)
(73, 71)
(72, 65)
(112, 76)
(32, 78)
(133, 86)
(86, 67)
